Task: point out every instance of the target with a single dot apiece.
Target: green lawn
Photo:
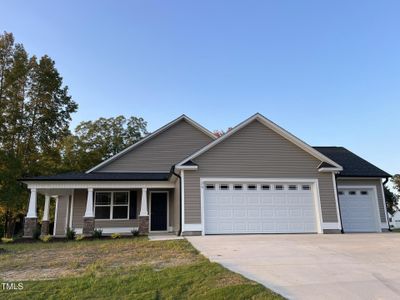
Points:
(120, 269)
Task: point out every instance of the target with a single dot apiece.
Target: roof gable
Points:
(197, 131)
(274, 127)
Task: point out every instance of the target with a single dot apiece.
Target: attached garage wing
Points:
(260, 207)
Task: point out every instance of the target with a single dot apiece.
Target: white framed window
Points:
(238, 187)
(279, 187)
(224, 187)
(352, 193)
(364, 192)
(292, 187)
(252, 187)
(305, 187)
(265, 187)
(210, 186)
(341, 193)
(111, 205)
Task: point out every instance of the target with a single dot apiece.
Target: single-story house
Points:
(256, 178)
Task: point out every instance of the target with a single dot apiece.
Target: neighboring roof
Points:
(279, 130)
(325, 165)
(152, 135)
(102, 176)
(353, 165)
(189, 163)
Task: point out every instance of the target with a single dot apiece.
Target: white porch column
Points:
(46, 208)
(32, 205)
(143, 207)
(89, 204)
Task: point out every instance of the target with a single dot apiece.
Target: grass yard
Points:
(120, 269)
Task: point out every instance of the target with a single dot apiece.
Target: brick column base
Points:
(143, 225)
(45, 228)
(30, 226)
(88, 226)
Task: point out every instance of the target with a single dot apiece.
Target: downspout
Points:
(180, 199)
(338, 203)
(384, 199)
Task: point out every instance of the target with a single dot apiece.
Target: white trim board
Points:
(182, 200)
(55, 217)
(109, 230)
(152, 135)
(194, 227)
(271, 125)
(331, 225)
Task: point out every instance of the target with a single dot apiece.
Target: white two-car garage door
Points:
(359, 210)
(237, 207)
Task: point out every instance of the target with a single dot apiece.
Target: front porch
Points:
(112, 206)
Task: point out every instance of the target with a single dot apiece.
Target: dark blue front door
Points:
(159, 209)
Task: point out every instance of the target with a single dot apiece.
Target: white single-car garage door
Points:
(237, 207)
(359, 210)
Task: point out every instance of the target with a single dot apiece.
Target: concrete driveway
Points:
(348, 266)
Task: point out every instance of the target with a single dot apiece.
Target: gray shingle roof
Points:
(102, 176)
(353, 165)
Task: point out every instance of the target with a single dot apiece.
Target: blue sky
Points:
(327, 71)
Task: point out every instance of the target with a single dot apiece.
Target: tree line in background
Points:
(35, 115)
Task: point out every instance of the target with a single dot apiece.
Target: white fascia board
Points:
(186, 167)
(279, 130)
(152, 135)
(330, 169)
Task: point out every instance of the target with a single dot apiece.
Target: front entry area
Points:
(359, 209)
(159, 211)
(254, 207)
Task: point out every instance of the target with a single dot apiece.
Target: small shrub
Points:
(36, 233)
(7, 240)
(46, 238)
(79, 237)
(97, 233)
(70, 234)
(115, 235)
(135, 232)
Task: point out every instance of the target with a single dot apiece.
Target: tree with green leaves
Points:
(392, 198)
(35, 112)
(94, 141)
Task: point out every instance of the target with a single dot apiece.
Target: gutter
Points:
(180, 199)
(338, 202)
(387, 216)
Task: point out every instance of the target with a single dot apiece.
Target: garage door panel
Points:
(259, 211)
(358, 211)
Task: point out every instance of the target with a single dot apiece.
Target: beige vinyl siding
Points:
(256, 151)
(79, 208)
(62, 215)
(367, 181)
(162, 151)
